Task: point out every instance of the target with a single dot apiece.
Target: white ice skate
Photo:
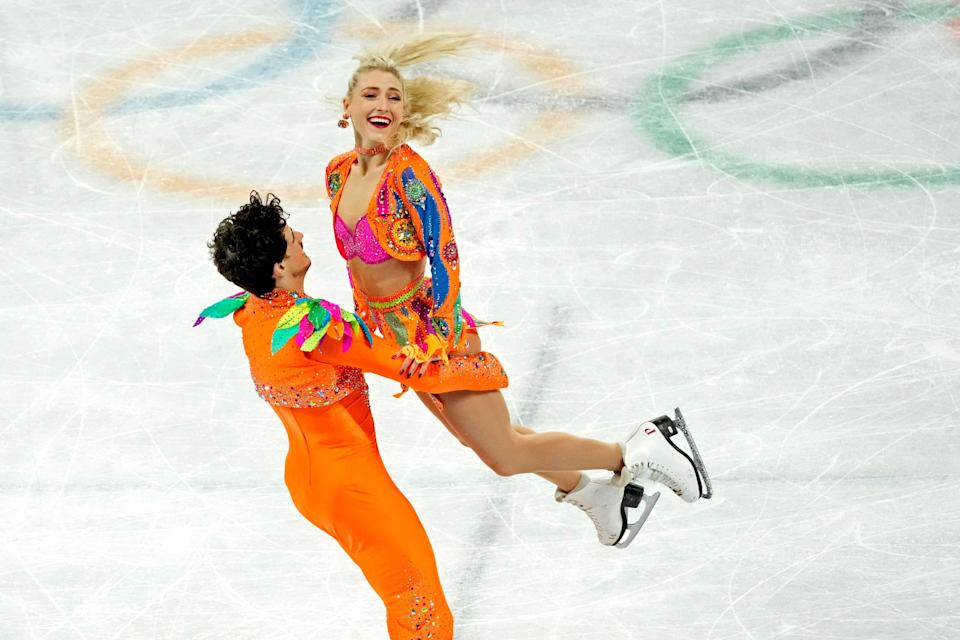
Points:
(650, 453)
(606, 503)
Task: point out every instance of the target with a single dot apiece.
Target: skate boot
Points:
(606, 504)
(650, 453)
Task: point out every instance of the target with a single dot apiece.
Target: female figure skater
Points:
(333, 468)
(391, 221)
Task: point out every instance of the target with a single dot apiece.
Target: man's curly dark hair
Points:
(248, 243)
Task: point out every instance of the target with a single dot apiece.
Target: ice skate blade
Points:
(635, 497)
(697, 460)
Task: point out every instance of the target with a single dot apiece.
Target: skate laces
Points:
(592, 513)
(587, 510)
(653, 470)
(657, 473)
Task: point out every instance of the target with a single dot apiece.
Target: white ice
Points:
(809, 332)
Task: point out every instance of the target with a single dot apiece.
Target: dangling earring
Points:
(344, 122)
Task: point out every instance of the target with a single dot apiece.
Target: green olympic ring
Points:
(656, 110)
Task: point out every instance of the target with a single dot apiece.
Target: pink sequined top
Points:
(361, 243)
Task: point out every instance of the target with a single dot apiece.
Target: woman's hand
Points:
(409, 366)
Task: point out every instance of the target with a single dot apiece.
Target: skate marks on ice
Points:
(312, 22)
(780, 322)
(936, 291)
(544, 126)
(416, 10)
(87, 129)
(864, 36)
(659, 107)
(491, 523)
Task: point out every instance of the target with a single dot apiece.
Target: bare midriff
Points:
(387, 278)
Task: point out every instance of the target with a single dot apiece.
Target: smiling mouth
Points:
(379, 122)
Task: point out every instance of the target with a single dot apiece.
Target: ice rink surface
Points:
(745, 209)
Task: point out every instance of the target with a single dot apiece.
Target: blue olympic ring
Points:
(314, 22)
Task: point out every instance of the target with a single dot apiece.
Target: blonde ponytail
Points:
(425, 97)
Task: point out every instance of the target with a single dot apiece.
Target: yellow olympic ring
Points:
(84, 124)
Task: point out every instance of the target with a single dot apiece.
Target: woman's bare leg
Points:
(564, 480)
(481, 420)
(428, 403)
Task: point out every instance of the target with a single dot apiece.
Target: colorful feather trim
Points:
(309, 320)
(224, 308)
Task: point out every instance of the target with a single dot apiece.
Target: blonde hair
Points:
(424, 97)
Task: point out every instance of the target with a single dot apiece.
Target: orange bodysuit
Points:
(333, 469)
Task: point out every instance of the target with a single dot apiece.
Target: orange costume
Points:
(407, 219)
(333, 468)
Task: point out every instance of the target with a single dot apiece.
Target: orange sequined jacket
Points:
(409, 216)
(306, 352)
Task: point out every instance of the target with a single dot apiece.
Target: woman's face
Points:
(375, 107)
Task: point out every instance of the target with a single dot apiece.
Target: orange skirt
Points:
(404, 319)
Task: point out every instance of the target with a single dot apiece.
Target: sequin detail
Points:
(388, 230)
(422, 615)
(311, 396)
(416, 192)
(457, 320)
(451, 254)
(443, 329)
(410, 217)
(403, 236)
(383, 197)
(407, 316)
(483, 366)
(289, 378)
(362, 243)
(395, 301)
(334, 183)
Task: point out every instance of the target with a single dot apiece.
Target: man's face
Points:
(295, 259)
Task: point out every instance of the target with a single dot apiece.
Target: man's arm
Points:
(480, 372)
(322, 329)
